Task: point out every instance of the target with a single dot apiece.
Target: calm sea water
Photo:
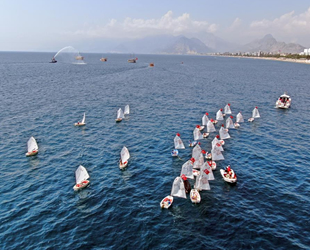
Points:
(267, 209)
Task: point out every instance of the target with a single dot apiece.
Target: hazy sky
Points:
(38, 25)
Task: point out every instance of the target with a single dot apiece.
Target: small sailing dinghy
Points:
(187, 168)
(229, 175)
(210, 126)
(212, 164)
(224, 133)
(255, 114)
(82, 123)
(177, 190)
(239, 117)
(120, 115)
(126, 110)
(32, 146)
(202, 181)
(81, 178)
(219, 115)
(197, 134)
(284, 101)
(227, 109)
(205, 119)
(124, 158)
(178, 144)
(229, 122)
(195, 196)
(208, 171)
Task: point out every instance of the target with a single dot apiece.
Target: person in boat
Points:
(187, 185)
(228, 172)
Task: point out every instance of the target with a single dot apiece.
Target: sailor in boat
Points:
(187, 185)
(53, 60)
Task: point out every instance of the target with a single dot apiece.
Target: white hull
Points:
(196, 172)
(195, 196)
(79, 124)
(174, 152)
(228, 179)
(123, 165)
(237, 125)
(281, 105)
(215, 122)
(166, 202)
(251, 119)
(81, 185)
(118, 119)
(213, 165)
(201, 128)
(32, 153)
(205, 135)
(222, 142)
(209, 156)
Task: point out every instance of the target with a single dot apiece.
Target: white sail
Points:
(178, 143)
(83, 120)
(224, 133)
(255, 113)
(199, 161)
(216, 143)
(197, 134)
(210, 127)
(120, 113)
(126, 110)
(187, 170)
(216, 154)
(229, 123)
(196, 152)
(239, 118)
(32, 144)
(205, 119)
(208, 167)
(125, 154)
(219, 115)
(178, 188)
(202, 182)
(227, 109)
(81, 174)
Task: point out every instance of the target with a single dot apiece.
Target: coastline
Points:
(271, 58)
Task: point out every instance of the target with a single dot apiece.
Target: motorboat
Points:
(53, 60)
(284, 101)
(103, 59)
(195, 196)
(229, 175)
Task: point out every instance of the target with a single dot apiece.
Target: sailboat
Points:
(229, 175)
(82, 123)
(227, 109)
(239, 119)
(206, 166)
(205, 119)
(124, 158)
(120, 115)
(32, 145)
(219, 115)
(197, 134)
(178, 144)
(230, 123)
(103, 59)
(177, 190)
(255, 114)
(216, 153)
(202, 181)
(81, 178)
(126, 110)
(187, 169)
(210, 127)
(224, 133)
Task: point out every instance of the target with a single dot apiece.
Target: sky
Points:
(36, 25)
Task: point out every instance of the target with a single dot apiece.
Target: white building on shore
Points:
(305, 53)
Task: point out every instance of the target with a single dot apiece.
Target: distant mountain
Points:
(217, 44)
(269, 44)
(186, 46)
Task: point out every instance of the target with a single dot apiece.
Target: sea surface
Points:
(269, 207)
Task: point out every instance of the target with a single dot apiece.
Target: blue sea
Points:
(269, 207)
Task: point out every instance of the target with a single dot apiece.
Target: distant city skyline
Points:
(96, 26)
